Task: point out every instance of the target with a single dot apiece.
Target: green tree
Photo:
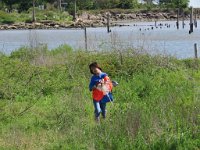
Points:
(10, 3)
(24, 5)
(175, 3)
(85, 4)
(126, 4)
(33, 18)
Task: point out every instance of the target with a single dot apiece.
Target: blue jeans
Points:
(99, 107)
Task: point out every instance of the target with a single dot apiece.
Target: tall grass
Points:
(45, 102)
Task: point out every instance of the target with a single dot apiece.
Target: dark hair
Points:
(95, 65)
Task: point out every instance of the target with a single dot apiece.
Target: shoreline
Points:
(120, 23)
(96, 20)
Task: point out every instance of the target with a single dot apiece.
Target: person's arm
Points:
(91, 85)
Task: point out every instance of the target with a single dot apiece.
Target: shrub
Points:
(6, 18)
(62, 49)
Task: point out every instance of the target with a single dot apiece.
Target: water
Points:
(139, 36)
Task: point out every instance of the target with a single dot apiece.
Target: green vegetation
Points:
(53, 10)
(22, 5)
(42, 15)
(6, 18)
(45, 102)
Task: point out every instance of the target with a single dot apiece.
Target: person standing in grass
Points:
(101, 87)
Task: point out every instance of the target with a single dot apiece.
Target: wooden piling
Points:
(108, 23)
(177, 23)
(191, 21)
(195, 19)
(183, 21)
(196, 51)
(85, 32)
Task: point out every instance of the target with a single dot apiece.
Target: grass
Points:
(45, 102)
(41, 15)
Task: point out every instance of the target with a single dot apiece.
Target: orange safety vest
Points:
(98, 94)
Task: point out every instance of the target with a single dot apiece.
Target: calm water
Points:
(140, 36)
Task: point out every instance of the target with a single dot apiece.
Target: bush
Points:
(28, 54)
(6, 18)
(62, 49)
(2, 54)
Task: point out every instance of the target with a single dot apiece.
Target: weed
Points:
(45, 102)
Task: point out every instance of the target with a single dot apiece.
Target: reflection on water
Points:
(144, 36)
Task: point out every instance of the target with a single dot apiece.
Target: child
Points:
(101, 88)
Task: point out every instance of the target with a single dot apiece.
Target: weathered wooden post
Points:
(195, 19)
(108, 23)
(183, 21)
(85, 31)
(191, 21)
(196, 50)
(177, 23)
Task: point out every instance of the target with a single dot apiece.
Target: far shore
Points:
(97, 20)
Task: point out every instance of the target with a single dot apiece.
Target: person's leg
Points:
(97, 109)
(103, 109)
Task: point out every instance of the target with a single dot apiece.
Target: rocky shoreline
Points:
(95, 20)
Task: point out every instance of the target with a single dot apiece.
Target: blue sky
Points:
(195, 3)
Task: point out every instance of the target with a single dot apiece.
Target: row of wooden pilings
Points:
(195, 45)
(193, 19)
(192, 23)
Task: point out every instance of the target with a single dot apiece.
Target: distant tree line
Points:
(24, 5)
(175, 3)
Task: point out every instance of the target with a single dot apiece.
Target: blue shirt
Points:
(96, 79)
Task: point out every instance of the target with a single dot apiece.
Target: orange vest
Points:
(98, 94)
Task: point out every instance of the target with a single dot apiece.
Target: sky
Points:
(195, 3)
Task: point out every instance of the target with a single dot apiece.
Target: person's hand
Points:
(101, 81)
